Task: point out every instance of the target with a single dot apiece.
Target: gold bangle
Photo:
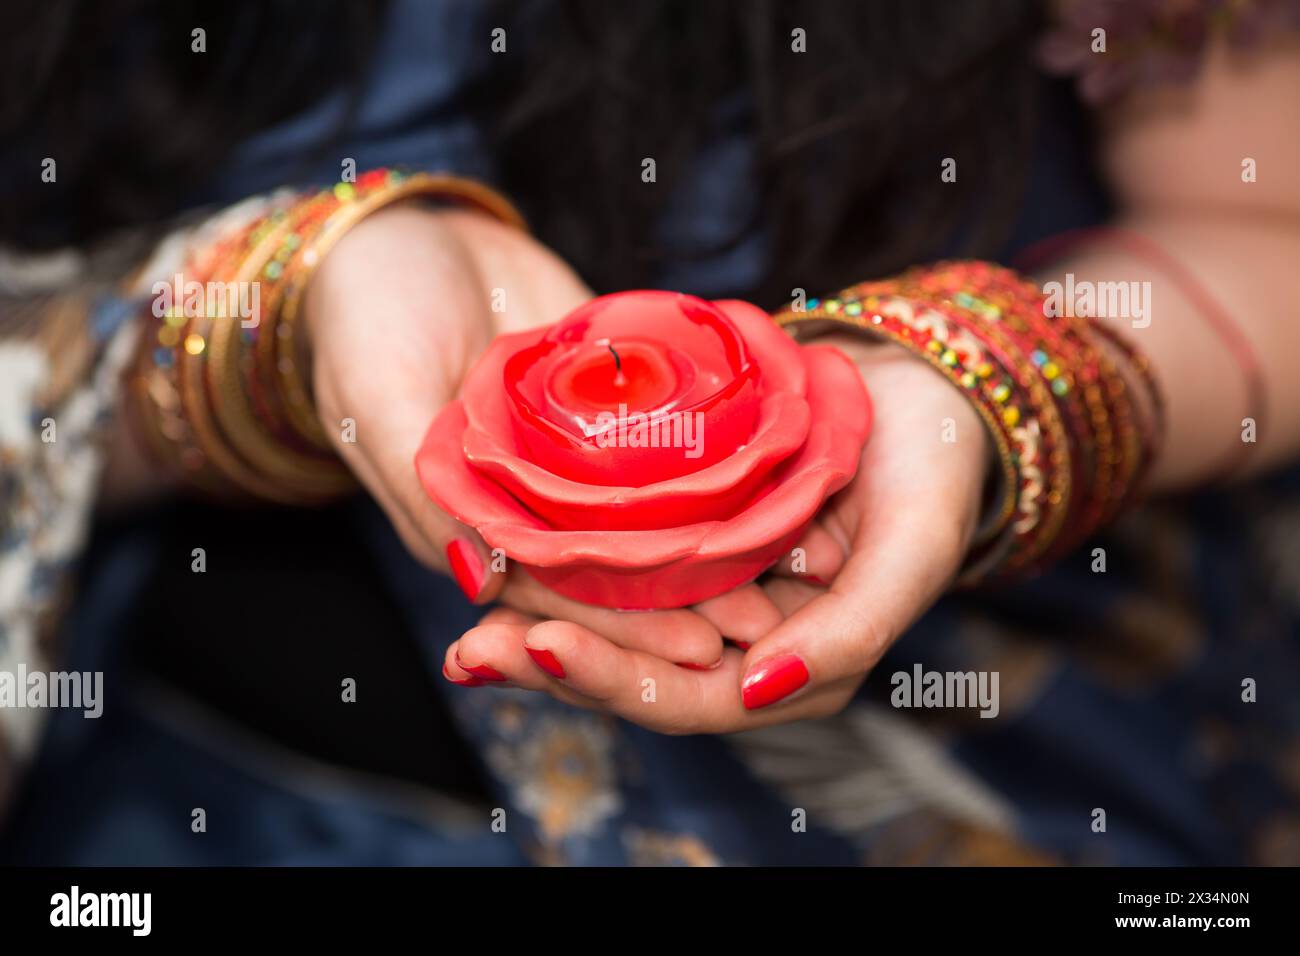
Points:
(311, 477)
(207, 433)
(291, 383)
(192, 356)
(231, 408)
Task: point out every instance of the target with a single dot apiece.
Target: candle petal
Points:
(718, 491)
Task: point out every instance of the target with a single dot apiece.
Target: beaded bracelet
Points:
(1054, 392)
(226, 403)
(1083, 378)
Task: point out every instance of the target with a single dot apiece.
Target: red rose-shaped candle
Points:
(623, 370)
(649, 450)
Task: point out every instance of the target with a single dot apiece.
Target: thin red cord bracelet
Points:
(1141, 247)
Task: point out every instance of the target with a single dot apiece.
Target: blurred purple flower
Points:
(1152, 42)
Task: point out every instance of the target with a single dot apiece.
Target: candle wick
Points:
(619, 378)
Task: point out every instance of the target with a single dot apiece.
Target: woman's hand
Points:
(892, 541)
(397, 313)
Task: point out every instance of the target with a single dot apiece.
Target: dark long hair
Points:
(847, 137)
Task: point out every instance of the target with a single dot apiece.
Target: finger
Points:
(496, 646)
(382, 456)
(790, 596)
(456, 673)
(471, 662)
(435, 538)
(899, 567)
(818, 556)
(639, 687)
(412, 537)
(744, 614)
(479, 572)
(654, 694)
(679, 636)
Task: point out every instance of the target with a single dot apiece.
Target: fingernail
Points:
(743, 645)
(700, 667)
(462, 681)
(816, 580)
(773, 679)
(485, 671)
(466, 567)
(546, 661)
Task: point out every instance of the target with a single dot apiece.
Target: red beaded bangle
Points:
(1072, 442)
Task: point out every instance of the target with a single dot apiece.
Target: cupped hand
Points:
(397, 313)
(880, 552)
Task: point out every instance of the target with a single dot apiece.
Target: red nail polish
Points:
(466, 567)
(773, 679)
(462, 681)
(817, 581)
(485, 671)
(743, 645)
(546, 661)
(700, 667)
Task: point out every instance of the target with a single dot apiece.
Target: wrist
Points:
(879, 361)
(1071, 448)
(348, 259)
(904, 386)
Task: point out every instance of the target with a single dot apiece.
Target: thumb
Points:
(434, 537)
(474, 566)
(895, 573)
(385, 465)
(458, 549)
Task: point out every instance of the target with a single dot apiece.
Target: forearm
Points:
(1247, 265)
(1208, 175)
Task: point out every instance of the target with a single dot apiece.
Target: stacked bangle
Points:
(226, 402)
(1055, 392)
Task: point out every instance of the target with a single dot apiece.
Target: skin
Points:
(890, 543)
